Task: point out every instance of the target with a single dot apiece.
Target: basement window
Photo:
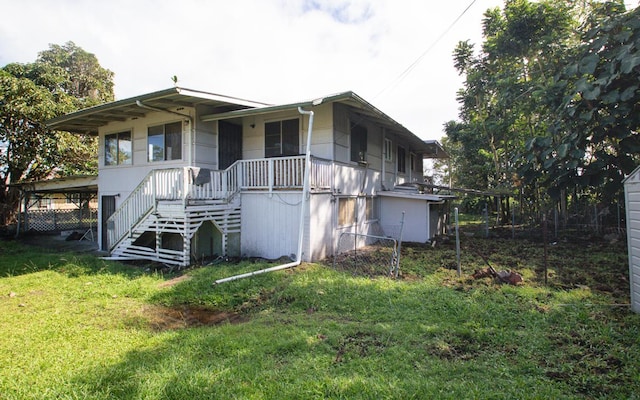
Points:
(282, 138)
(372, 207)
(117, 149)
(346, 211)
(165, 142)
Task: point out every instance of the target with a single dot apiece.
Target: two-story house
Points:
(185, 175)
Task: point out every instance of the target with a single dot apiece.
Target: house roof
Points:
(69, 184)
(358, 105)
(633, 177)
(90, 119)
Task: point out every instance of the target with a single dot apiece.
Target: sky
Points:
(396, 54)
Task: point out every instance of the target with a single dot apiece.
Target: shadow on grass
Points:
(18, 258)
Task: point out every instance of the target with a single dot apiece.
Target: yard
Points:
(77, 327)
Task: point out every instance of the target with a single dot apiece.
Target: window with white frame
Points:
(388, 150)
(117, 149)
(282, 138)
(164, 142)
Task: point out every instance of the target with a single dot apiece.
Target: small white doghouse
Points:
(632, 205)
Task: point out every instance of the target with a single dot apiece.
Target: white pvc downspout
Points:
(306, 189)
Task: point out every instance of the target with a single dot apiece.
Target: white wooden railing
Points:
(200, 184)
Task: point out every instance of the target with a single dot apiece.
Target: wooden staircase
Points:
(170, 217)
(172, 202)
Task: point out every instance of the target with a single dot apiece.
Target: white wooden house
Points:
(185, 174)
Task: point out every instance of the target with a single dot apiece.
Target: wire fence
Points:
(578, 221)
(367, 255)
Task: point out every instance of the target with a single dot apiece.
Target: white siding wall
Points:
(321, 138)
(632, 197)
(416, 218)
(321, 226)
(123, 179)
(270, 224)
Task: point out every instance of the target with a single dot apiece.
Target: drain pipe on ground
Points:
(306, 188)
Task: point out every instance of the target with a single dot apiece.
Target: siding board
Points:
(632, 206)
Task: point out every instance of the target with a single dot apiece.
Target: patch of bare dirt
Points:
(174, 281)
(162, 318)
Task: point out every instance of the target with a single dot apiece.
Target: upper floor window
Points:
(402, 159)
(413, 157)
(282, 138)
(117, 149)
(388, 150)
(358, 143)
(164, 142)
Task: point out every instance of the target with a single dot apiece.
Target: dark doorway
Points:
(108, 208)
(229, 144)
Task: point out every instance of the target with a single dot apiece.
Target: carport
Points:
(68, 205)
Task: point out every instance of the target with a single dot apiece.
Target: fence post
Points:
(400, 244)
(485, 215)
(455, 211)
(513, 223)
(544, 240)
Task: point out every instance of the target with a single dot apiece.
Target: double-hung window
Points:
(388, 150)
(282, 138)
(164, 142)
(117, 149)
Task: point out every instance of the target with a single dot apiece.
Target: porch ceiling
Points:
(88, 121)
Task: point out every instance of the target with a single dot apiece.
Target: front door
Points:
(229, 144)
(108, 208)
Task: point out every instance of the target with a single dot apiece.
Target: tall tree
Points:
(503, 101)
(61, 80)
(595, 140)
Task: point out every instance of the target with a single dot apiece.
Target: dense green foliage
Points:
(550, 103)
(594, 141)
(61, 80)
(79, 327)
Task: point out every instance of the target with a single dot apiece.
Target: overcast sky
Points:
(396, 54)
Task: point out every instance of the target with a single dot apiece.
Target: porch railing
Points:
(201, 184)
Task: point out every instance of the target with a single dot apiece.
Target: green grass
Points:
(76, 327)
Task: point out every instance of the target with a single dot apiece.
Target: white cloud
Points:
(266, 50)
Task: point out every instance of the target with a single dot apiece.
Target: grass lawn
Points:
(77, 327)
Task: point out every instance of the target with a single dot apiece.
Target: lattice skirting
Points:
(60, 220)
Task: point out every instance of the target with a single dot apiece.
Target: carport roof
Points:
(70, 184)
